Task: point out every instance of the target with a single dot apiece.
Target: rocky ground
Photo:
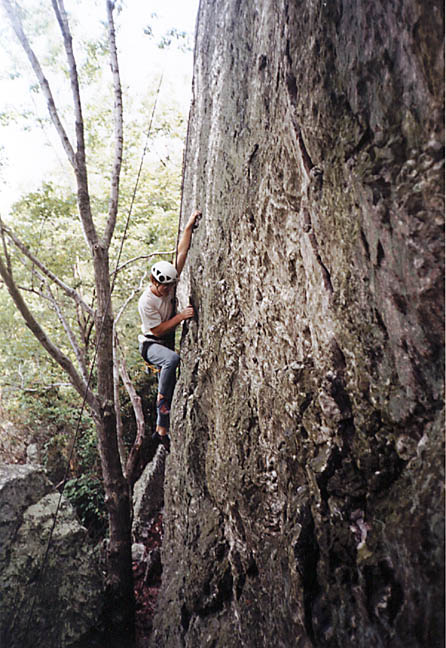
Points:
(27, 503)
(147, 579)
(48, 598)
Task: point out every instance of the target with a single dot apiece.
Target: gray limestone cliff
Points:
(304, 489)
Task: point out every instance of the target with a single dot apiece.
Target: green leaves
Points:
(86, 493)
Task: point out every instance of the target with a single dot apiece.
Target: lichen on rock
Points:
(49, 598)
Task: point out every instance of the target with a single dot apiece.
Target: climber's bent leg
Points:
(167, 360)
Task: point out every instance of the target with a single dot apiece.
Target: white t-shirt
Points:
(154, 310)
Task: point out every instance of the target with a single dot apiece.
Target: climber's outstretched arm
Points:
(183, 245)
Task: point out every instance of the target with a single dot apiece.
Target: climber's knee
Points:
(171, 361)
(174, 360)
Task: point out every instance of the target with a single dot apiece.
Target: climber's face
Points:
(162, 290)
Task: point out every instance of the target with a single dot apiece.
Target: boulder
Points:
(52, 594)
(20, 487)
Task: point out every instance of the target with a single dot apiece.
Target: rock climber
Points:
(155, 307)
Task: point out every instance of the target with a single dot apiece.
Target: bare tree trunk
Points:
(117, 497)
(119, 574)
(119, 583)
(118, 414)
(134, 454)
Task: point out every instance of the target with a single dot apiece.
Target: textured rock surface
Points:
(304, 493)
(148, 496)
(61, 607)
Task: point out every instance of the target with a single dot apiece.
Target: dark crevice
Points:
(308, 163)
(384, 594)
(380, 254)
(308, 228)
(380, 189)
(253, 153)
(380, 322)
(340, 396)
(337, 356)
(287, 52)
(305, 403)
(365, 243)
(333, 464)
(185, 617)
(306, 159)
(325, 274)
(306, 554)
(223, 594)
(262, 62)
(366, 139)
(292, 87)
(400, 303)
(252, 570)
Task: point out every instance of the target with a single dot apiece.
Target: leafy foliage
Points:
(34, 391)
(86, 493)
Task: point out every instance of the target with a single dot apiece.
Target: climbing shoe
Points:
(163, 440)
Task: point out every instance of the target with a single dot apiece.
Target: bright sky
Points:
(141, 64)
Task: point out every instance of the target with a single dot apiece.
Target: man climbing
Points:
(155, 308)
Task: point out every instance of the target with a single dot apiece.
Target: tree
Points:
(99, 397)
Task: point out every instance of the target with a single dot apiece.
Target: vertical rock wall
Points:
(304, 493)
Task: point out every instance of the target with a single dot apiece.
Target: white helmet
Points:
(164, 272)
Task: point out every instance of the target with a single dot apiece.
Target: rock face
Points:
(148, 500)
(148, 496)
(304, 489)
(60, 608)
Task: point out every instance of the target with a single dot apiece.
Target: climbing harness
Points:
(144, 341)
(143, 345)
(151, 368)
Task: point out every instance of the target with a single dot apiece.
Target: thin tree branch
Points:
(119, 368)
(124, 236)
(37, 389)
(71, 337)
(133, 458)
(141, 256)
(62, 19)
(119, 424)
(119, 136)
(5, 248)
(70, 292)
(84, 321)
(85, 327)
(16, 23)
(134, 292)
(80, 166)
(45, 341)
(33, 291)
